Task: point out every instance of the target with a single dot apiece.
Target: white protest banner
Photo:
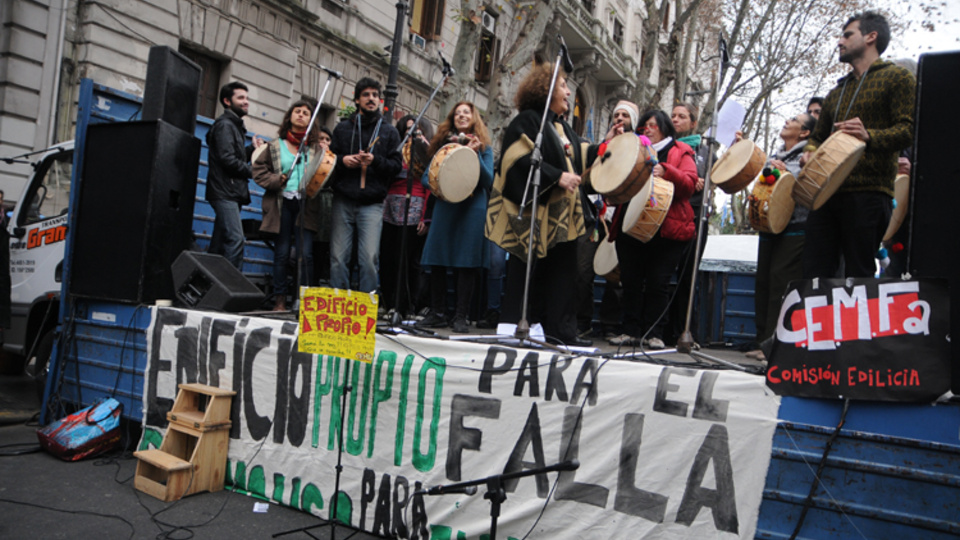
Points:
(665, 452)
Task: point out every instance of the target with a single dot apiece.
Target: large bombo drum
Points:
(830, 165)
(454, 173)
(738, 166)
(318, 171)
(648, 209)
(623, 170)
(771, 206)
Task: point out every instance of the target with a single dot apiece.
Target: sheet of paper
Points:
(729, 121)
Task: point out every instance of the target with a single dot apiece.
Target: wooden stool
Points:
(193, 455)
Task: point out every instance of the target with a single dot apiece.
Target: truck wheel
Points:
(39, 364)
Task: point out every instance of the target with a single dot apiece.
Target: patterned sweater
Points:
(885, 106)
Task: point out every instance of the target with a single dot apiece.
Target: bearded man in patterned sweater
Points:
(874, 103)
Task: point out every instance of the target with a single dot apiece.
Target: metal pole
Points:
(390, 93)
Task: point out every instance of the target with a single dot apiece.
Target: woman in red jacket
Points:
(645, 268)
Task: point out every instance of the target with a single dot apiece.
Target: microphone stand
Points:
(533, 179)
(397, 317)
(302, 190)
(495, 492)
(332, 522)
(686, 342)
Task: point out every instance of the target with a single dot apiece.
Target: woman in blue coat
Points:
(456, 236)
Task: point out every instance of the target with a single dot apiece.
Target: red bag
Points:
(85, 433)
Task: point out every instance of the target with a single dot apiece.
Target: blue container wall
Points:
(105, 355)
(892, 472)
(726, 308)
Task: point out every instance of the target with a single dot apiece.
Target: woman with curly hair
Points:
(564, 213)
(455, 239)
(294, 220)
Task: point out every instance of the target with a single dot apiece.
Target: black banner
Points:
(863, 338)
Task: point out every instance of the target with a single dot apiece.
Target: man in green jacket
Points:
(874, 103)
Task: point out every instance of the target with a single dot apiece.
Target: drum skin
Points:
(901, 191)
(319, 170)
(738, 166)
(622, 171)
(454, 173)
(771, 206)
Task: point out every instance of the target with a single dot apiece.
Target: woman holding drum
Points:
(287, 212)
(646, 266)
(780, 255)
(564, 213)
(391, 237)
(455, 239)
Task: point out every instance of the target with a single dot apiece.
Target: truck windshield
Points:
(51, 195)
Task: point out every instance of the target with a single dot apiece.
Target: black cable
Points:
(808, 502)
(133, 529)
(166, 534)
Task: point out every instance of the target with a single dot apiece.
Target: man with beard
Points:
(229, 162)
(368, 160)
(874, 103)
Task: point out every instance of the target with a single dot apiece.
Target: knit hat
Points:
(632, 110)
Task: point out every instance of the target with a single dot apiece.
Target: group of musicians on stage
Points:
(377, 193)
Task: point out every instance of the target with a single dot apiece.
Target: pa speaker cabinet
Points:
(172, 88)
(207, 281)
(135, 213)
(933, 244)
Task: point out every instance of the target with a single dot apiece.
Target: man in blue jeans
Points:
(229, 171)
(368, 161)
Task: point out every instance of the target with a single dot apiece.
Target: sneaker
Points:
(490, 320)
(460, 326)
(433, 320)
(655, 343)
(623, 340)
(422, 314)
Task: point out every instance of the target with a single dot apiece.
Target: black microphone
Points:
(567, 62)
(331, 72)
(447, 69)
(724, 55)
(444, 490)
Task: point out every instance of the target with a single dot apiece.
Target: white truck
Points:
(38, 230)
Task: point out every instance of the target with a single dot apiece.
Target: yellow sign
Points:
(338, 322)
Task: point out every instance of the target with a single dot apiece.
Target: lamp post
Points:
(391, 93)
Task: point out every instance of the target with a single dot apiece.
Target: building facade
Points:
(277, 48)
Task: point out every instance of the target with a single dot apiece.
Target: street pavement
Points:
(42, 497)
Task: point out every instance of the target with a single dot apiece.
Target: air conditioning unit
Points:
(418, 41)
(489, 23)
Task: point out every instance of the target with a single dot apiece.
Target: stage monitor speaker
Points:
(207, 281)
(934, 246)
(172, 88)
(135, 211)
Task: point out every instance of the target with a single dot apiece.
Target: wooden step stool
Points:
(193, 455)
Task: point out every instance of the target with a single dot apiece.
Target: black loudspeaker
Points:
(135, 213)
(934, 246)
(207, 281)
(172, 88)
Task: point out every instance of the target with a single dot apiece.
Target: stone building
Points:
(277, 47)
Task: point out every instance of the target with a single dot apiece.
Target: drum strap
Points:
(836, 112)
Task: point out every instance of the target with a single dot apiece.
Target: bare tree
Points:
(526, 28)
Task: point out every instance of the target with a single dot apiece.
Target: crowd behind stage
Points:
(436, 214)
